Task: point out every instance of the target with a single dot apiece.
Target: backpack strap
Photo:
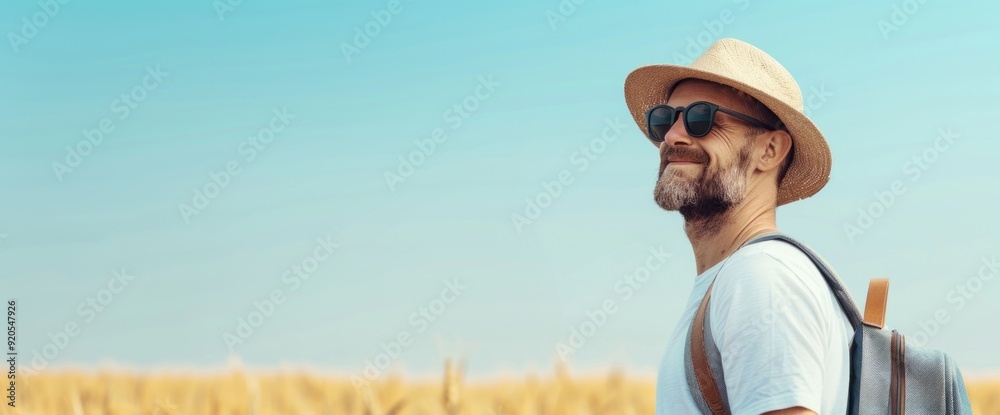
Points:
(698, 364)
(832, 280)
(878, 293)
(702, 359)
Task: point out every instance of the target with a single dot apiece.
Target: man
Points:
(734, 144)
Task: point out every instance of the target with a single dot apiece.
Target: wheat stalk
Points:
(370, 403)
(233, 393)
(451, 396)
(75, 402)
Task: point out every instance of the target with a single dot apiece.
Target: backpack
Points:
(887, 374)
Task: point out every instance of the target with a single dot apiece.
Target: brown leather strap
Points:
(878, 294)
(699, 358)
(897, 384)
(894, 374)
(699, 355)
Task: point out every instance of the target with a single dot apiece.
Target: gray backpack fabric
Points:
(888, 376)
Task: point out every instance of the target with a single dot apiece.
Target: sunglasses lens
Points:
(699, 119)
(660, 120)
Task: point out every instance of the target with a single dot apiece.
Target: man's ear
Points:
(777, 145)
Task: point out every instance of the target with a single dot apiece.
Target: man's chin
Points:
(705, 211)
(667, 198)
(692, 207)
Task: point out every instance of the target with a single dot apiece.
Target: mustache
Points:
(686, 153)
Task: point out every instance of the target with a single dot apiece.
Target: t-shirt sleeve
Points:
(769, 325)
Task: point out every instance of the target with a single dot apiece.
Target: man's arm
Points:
(771, 331)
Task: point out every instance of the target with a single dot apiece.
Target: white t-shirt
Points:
(784, 340)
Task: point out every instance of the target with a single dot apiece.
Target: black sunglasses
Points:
(699, 117)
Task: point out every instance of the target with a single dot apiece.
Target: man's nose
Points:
(677, 135)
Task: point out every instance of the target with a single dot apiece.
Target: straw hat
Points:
(742, 66)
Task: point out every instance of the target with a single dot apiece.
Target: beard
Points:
(708, 196)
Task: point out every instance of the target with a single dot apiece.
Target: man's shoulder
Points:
(773, 269)
(772, 259)
(774, 317)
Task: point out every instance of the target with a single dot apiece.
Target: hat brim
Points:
(647, 86)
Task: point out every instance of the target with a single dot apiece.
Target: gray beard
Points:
(707, 198)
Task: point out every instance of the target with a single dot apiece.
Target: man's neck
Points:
(714, 239)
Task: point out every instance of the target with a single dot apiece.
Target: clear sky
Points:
(216, 154)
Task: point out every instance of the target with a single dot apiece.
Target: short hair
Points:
(758, 110)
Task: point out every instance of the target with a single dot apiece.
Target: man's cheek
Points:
(703, 171)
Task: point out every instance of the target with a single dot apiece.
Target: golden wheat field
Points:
(241, 392)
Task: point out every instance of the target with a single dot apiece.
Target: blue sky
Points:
(254, 117)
